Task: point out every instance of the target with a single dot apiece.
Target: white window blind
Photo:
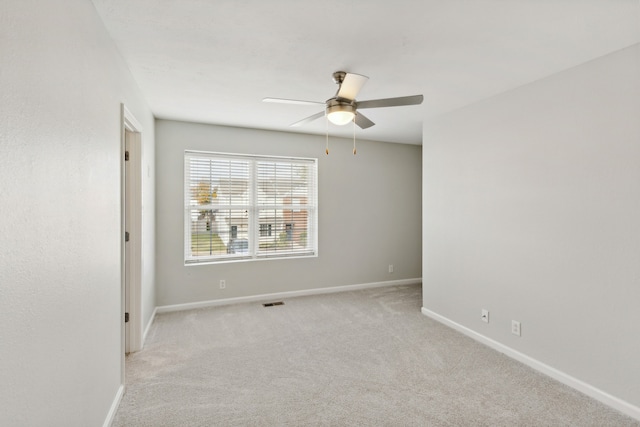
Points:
(241, 207)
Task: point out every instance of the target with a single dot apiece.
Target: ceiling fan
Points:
(343, 107)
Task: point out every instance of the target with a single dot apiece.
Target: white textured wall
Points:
(369, 215)
(61, 85)
(531, 210)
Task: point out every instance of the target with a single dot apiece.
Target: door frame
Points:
(131, 134)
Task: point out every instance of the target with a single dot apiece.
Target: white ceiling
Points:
(213, 61)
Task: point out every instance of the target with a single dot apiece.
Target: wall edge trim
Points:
(281, 295)
(566, 379)
(114, 407)
(146, 329)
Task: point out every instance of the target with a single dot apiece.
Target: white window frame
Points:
(253, 208)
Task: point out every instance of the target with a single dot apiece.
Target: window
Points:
(249, 207)
(265, 230)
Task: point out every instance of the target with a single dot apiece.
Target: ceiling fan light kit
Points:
(342, 108)
(339, 112)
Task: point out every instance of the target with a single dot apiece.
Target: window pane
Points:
(212, 231)
(219, 182)
(277, 181)
(204, 236)
(290, 232)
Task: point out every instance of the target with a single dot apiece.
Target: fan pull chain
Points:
(354, 135)
(326, 119)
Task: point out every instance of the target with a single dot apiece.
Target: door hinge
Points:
(126, 317)
(126, 236)
(126, 156)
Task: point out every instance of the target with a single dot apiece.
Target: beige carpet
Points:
(365, 358)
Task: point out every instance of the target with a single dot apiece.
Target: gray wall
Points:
(369, 215)
(61, 86)
(531, 210)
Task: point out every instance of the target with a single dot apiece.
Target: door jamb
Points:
(129, 123)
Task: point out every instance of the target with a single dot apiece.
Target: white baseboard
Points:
(146, 329)
(114, 407)
(591, 391)
(281, 295)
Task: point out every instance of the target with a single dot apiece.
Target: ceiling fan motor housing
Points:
(340, 104)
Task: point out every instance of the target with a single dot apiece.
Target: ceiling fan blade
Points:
(308, 119)
(351, 85)
(363, 121)
(291, 101)
(392, 102)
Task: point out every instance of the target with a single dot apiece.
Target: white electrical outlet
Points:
(515, 327)
(223, 284)
(485, 316)
(390, 268)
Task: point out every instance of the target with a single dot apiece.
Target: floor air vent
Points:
(271, 304)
